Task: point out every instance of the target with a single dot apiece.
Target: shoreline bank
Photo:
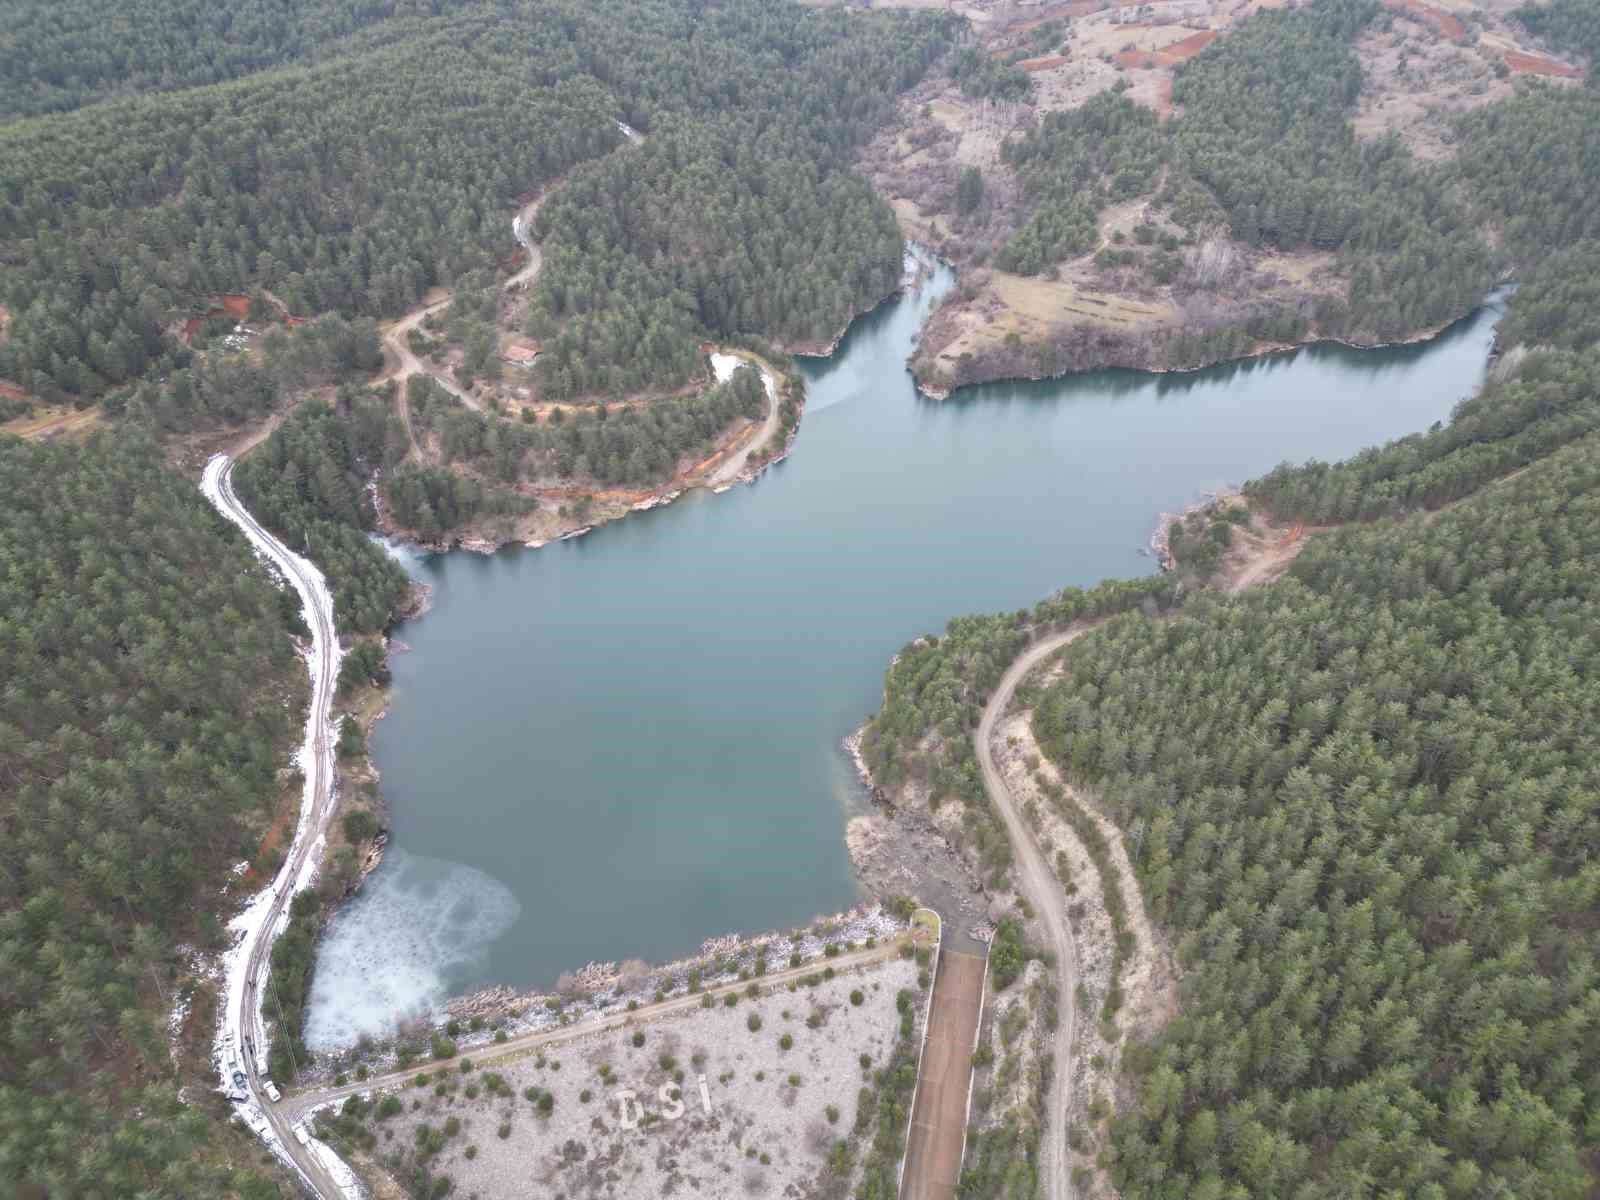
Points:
(1261, 351)
(492, 1015)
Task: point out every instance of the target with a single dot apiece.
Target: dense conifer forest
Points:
(356, 182)
(1360, 800)
(149, 695)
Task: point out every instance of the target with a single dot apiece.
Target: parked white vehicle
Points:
(272, 1090)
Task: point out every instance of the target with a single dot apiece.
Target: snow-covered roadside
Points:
(241, 1039)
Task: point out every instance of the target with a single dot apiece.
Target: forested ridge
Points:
(149, 695)
(356, 182)
(1362, 802)
(69, 53)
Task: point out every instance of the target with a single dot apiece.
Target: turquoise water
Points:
(624, 744)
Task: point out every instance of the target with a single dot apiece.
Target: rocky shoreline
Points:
(903, 850)
(1160, 538)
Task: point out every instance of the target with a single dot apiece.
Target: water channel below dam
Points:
(621, 745)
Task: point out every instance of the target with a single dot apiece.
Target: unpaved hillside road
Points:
(1037, 881)
(247, 965)
(723, 366)
(410, 364)
(395, 335)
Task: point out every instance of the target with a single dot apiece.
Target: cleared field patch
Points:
(53, 422)
(1049, 301)
(757, 1097)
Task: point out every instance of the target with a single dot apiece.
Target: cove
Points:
(624, 744)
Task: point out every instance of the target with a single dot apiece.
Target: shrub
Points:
(1007, 955)
(858, 997)
(753, 1022)
(786, 1042)
(832, 1113)
(638, 1038)
(504, 1130)
(389, 1106)
(730, 999)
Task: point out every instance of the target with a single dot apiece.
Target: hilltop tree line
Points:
(63, 55)
(150, 696)
(629, 445)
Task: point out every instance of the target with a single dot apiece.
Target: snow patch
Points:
(392, 954)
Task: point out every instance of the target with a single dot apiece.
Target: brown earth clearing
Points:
(1536, 64)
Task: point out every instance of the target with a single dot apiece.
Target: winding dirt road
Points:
(242, 1045)
(1037, 881)
(395, 337)
(724, 365)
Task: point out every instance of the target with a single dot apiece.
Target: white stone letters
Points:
(630, 1113)
(671, 1101)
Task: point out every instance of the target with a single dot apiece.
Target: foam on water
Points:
(402, 945)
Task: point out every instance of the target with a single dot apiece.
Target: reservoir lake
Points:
(621, 745)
